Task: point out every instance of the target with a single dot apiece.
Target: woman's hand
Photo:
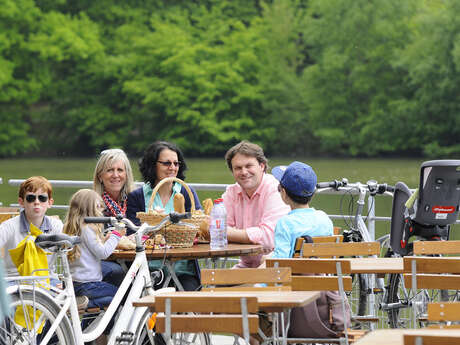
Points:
(120, 233)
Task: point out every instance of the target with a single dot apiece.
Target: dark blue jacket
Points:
(136, 203)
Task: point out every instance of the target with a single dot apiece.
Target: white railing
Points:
(370, 219)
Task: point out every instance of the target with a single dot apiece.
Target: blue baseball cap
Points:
(298, 178)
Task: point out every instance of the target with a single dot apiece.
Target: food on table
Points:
(207, 206)
(126, 243)
(179, 203)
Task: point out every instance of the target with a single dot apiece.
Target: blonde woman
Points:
(113, 181)
(85, 258)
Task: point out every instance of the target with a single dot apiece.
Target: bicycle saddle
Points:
(56, 240)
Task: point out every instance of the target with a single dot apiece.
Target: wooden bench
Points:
(338, 280)
(245, 278)
(316, 239)
(8, 212)
(340, 249)
(442, 312)
(337, 230)
(431, 339)
(436, 247)
(346, 249)
(229, 314)
(431, 273)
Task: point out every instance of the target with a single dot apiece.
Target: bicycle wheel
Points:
(357, 297)
(145, 336)
(401, 299)
(45, 311)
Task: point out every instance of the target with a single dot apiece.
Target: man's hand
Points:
(204, 230)
(237, 235)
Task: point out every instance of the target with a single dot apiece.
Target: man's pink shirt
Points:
(257, 214)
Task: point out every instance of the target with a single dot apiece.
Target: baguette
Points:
(207, 206)
(179, 203)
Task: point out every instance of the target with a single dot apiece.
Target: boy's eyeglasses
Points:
(168, 163)
(33, 197)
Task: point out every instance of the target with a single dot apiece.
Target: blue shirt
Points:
(298, 223)
(169, 207)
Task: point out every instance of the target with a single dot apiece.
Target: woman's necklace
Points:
(113, 206)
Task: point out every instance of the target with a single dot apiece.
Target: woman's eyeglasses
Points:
(33, 197)
(168, 163)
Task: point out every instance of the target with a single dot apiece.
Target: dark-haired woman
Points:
(163, 159)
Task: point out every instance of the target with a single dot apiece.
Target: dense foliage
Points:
(300, 77)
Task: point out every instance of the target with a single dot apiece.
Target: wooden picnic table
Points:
(274, 302)
(396, 336)
(198, 251)
(269, 301)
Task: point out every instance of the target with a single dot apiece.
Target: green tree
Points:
(433, 62)
(20, 83)
(353, 82)
(281, 77)
(192, 78)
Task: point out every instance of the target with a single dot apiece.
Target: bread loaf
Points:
(207, 206)
(179, 203)
(126, 244)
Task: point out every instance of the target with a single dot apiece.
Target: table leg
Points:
(172, 274)
(283, 329)
(123, 265)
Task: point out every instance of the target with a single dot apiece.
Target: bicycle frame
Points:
(137, 277)
(370, 189)
(359, 221)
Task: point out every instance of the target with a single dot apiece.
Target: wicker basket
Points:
(174, 234)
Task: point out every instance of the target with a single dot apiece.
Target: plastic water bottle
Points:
(218, 226)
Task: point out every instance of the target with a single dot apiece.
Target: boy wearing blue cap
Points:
(297, 186)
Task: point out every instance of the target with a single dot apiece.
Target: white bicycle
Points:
(52, 317)
(368, 289)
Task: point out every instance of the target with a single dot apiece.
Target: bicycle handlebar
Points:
(373, 187)
(333, 184)
(100, 220)
(173, 217)
(176, 217)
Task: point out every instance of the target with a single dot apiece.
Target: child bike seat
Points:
(435, 208)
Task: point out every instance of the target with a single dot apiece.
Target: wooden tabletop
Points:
(396, 336)
(376, 265)
(373, 265)
(269, 301)
(195, 252)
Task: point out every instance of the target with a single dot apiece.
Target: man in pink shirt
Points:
(253, 203)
